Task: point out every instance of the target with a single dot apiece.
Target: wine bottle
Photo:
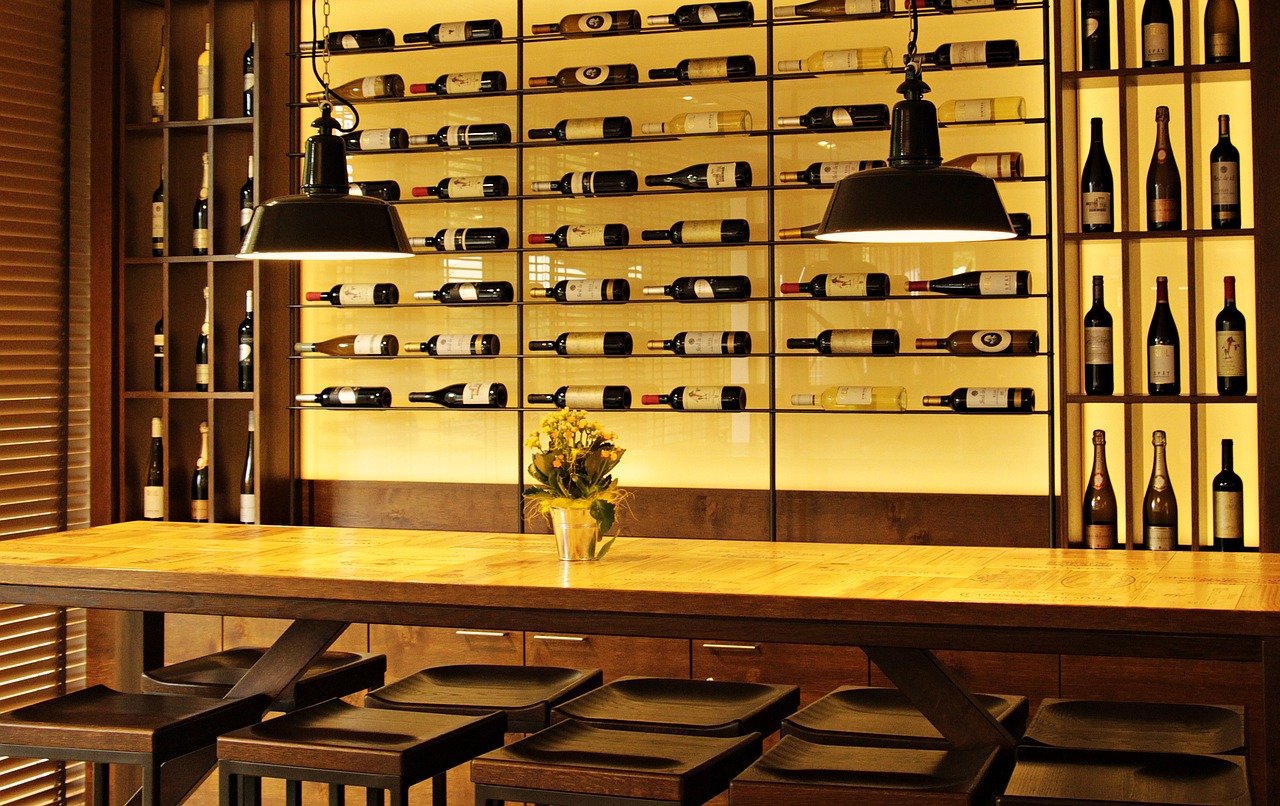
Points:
(369, 88)
(357, 294)
(1160, 505)
(1221, 32)
(952, 6)
(457, 344)
(391, 139)
(157, 352)
(157, 219)
(871, 285)
(700, 398)
(385, 189)
(1157, 34)
(204, 77)
(592, 24)
(880, 341)
(457, 33)
(856, 398)
(806, 233)
(1164, 370)
(466, 136)
(731, 120)
(985, 342)
(983, 110)
(246, 201)
(349, 397)
(590, 183)
(200, 480)
(696, 289)
(705, 342)
(1224, 183)
(575, 235)
(365, 344)
(592, 398)
(1095, 35)
(465, 187)
(1099, 359)
(715, 230)
(1101, 524)
(244, 341)
(1228, 504)
(706, 69)
(248, 495)
(860, 117)
(985, 53)
(1021, 223)
(978, 284)
(1229, 327)
(993, 165)
(1164, 181)
(705, 176)
(613, 342)
(470, 293)
(364, 39)
(247, 72)
(985, 400)
(1096, 187)
(153, 489)
(836, 9)
(465, 396)
(464, 239)
(594, 75)
(202, 348)
(158, 85)
(586, 291)
(835, 61)
(463, 83)
(200, 213)
(828, 173)
(617, 127)
(706, 15)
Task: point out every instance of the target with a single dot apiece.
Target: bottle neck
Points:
(1097, 131)
(1099, 461)
(1162, 292)
(1228, 455)
(1159, 468)
(1162, 136)
(1224, 128)
(1229, 291)
(1097, 291)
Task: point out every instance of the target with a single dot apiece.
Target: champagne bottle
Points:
(828, 173)
(880, 341)
(369, 88)
(464, 239)
(577, 235)
(705, 342)
(385, 189)
(157, 342)
(248, 495)
(705, 176)
(706, 69)
(590, 183)
(592, 398)
(463, 83)
(363, 39)
(586, 291)
(597, 343)
(202, 348)
(247, 73)
(1099, 358)
(856, 398)
(246, 201)
(609, 128)
(470, 293)
(244, 341)
(204, 77)
(594, 75)
(1095, 35)
(700, 398)
(1221, 32)
(978, 284)
(860, 117)
(200, 213)
(157, 219)
(390, 139)
(872, 285)
(1157, 34)
(158, 85)
(836, 9)
(465, 396)
(695, 289)
(357, 294)
(993, 165)
(715, 230)
(1228, 504)
(593, 24)
(983, 110)
(200, 480)
(466, 187)
(1224, 179)
(1101, 524)
(985, 342)
(706, 15)
(837, 61)
(730, 120)
(1096, 187)
(1229, 327)
(951, 6)
(349, 397)
(1160, 505)
(1164, 366)
(445, 345)
(986, 53)
(457, 33)
(466, 136)
(153, 489)
(806, 233)
(1164, 181)
(985, 400)
(365, 344)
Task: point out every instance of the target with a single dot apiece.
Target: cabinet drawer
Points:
(1032, 676)
(411, 649)
(616, 655)
(816, 669)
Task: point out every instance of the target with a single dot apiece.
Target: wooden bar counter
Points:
(896, 602)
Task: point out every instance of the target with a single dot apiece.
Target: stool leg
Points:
(250, 790)
(337, 795)
(150, 785)
(373, 797)
(228, 787)
(400, 795)
(292, 793)
(101, 785)
(439, 790)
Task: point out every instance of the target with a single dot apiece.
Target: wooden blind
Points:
(44, 428)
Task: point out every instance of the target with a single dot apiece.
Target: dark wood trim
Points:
(409, 505)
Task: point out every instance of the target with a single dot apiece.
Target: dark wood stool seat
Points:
(525, 694)
(333, 674)
(573, 763)
(1050, 775)
(796, 771)
(676, 705)
(1138, 726)
(884, 717)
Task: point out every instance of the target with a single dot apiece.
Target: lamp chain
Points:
(324, 78)
(912, 57)
(324, 37)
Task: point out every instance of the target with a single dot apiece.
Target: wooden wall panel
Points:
(409, 649)
(818, 670)
(615, 655)
(410, 505)
(681, 513)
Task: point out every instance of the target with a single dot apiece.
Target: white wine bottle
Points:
(364, 344)
(993, 165)
(153, 490)
(856, 398)
(983, 110)
(831, 61)
(204, 77)
(248, 496)
(730, 120)
(158, 106)
(836, 9)
(388, 85)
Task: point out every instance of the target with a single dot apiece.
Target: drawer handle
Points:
(574, 638)
(481, 633)
(734, 647)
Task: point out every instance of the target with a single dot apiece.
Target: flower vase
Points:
(577, 533)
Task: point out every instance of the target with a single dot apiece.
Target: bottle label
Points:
(593, 23)
(157, 104)
(584, 344)
(370, 87)
(702, 289)
(455, 241)
(998, 283)
(461, 83)
(1162, 363)
(368, 344)
(455, 135)
(248, 508)
(1162, 538)
(246, 350)
(707, 15)
(580, 182)
(722, 175)
(467, 292)
(841, 117)
(200, 238)
(375, 140)
(1096, 208)
(992, 341)
(584, 290)
(584, 129)
(1228, 514)
(701, 231)
(476, 394)
(1231, 363)
(157, 221)
(355, 294)
(349, 42)
(346, 395)
(452, 32)
(585, 235)
(975, 109)
(846, 285)
(158, 343)
(987, 397)
(703, 342)
(700, 122)
(249, 81)
(202, 374)
(584, 397)
(246, 215)
(855, 342)
(1225, 185)
(1100, 536)
(453, 344)
(708, 68)
(968, 53)
(1164, 211)
(994, 166)
(153, 502)
(202, 89)
(853, 395)
(592, 76)
(200, 510)
(1097, 346)
(1222, 45)
(854, 7)
(1155, 42)
(466, 187)
(702, 398)
(843, 59)
(971, 3)
(831, 172)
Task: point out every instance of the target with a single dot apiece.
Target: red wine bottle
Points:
(1101, 524)
(1164, 365)
(357, 294)
(589, 76)
(987, 53)
(705, 342)
(153, 489)
(828, 173)
(978, 284)
(1164, 181)
(593, 24)
(465, 187)
(157, 355)
(578, 235)
(859, 117)
(705, 176)
(349, 397)
(592, 398)
(244, 344)
(465, 396)
(699, 289)
(466, 136)
(951, 6)
(1157, 34)
(590, 183)
(385, 189)
(1229, 327)
(985, 400)
(157, 220)
(470, 293)
(597, 343)
(873, 285)
(700, 398)
(1095, 35)
(586, 291)
(878, 341)
(465, 239)
(608, 128)
(1096, 187)
(1228, 504)
(1099, 357)
(709, 69)
(716, 230)
(469, 83)
(1224, 179)
(365, 39)
(458, 33)
(985, 342)
(457, 344)
(706, 15)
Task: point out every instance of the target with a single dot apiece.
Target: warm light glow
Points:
(916, 236)
(323, 255)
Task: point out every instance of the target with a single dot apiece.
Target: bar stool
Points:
(102, 726)
(1138, 726)
(1053, 775)
(342, 745)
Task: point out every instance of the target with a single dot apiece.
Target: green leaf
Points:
(603, 548)
(604, 512)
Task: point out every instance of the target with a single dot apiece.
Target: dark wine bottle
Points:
(244, 341)
(589, 76)
(700, 398)
(1228, 504)
(247, 73)
(1160, 505)
(1164, 181)
(200, 214)
(1101, 520)
(157, 220)
(458, 33)
(153, 488)
(1221, 32)
(1096, 187)
(200, 480)
(365, 39)
(465, 396)
(466, 136)
(705, 342)
(610, 128)
(157, 353)
(978, 284)
(698, 289)
(593, 24)
(705, 176)
(706, 15)
(709, 69)
(592, 398)
(985, 342)
(1224, 179)
(590, 183)
(828, 173)
(878, 341)
(457, 344)
(578, 235)
(951, 6)
(873, 285)
(202, 347)
(985, 53)
(469, 83)
(464, 239)
(1164, 364)
(1229, 327)
(1157, 34)
(385, 189)
(612, 342)
(716, 230)
(349, 397)
(985, 400)
(357, 294)
(586, 291)
(377, 140)
(465, 187)
(470, 293)
(861, 117)
(248, 493)
(1099, 355)
(1095, 35)
(246, 202)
